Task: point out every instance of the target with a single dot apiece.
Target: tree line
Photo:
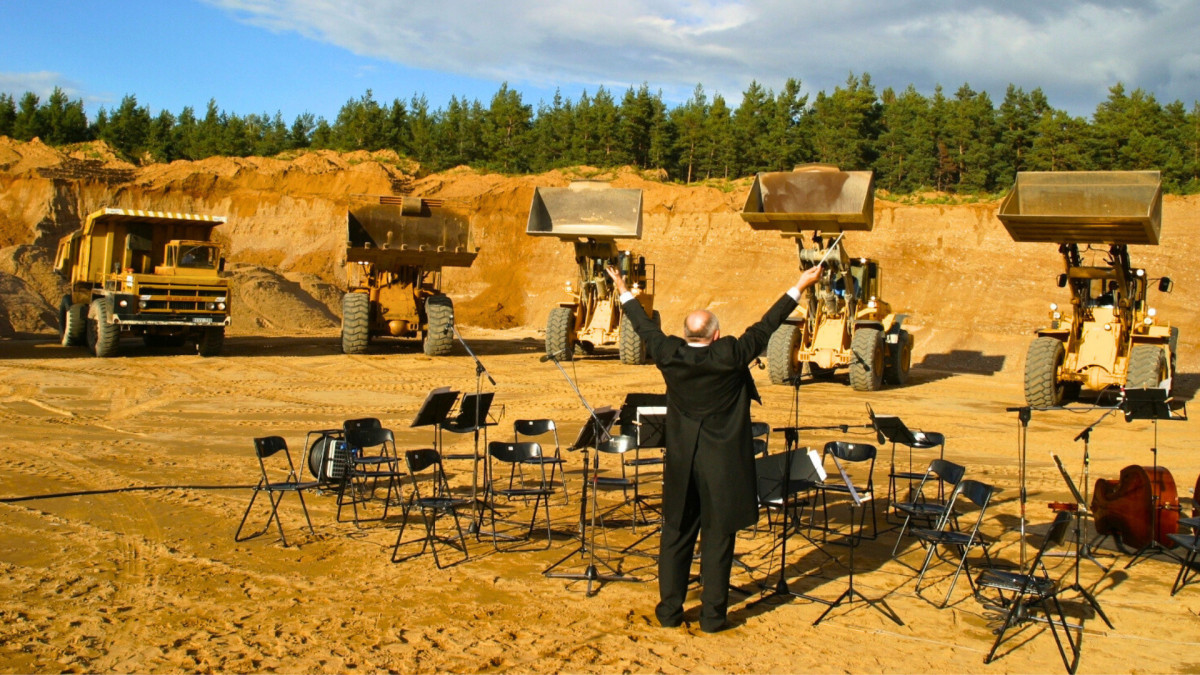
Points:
(960, 143)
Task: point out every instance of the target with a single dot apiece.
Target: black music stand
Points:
(593, 432)
(1082, 549)
(1151, 404)
(779, 477)
(433, 412)
(851, 592)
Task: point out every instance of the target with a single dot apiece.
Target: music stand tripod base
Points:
(1151, 404)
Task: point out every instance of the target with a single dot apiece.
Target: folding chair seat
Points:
(430, 494)
(924, 508)
(515, 454)
(892, 429)
(854, 454)
(265, 448)
(372, 458)
(961, 541)
(1034, 586)
(541, 431)
(1188, 538)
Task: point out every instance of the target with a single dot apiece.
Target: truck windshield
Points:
(202, 257)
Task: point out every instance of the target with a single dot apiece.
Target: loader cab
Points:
(867, 282)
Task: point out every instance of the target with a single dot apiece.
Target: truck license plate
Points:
(201, 319)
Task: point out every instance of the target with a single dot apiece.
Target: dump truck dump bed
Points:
(811, 198)
(1084, 207)
(409, 231)
(586, 209)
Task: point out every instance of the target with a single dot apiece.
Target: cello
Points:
(1124, 507)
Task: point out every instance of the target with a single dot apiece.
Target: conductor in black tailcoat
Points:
(708, 477)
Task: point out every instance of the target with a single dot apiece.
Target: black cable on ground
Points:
(143, 488)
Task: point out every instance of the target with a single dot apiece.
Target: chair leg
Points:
(275, 515)
(246, 513)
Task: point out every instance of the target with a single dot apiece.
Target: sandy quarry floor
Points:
(153, 581)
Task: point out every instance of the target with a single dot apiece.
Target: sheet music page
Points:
(815, 458)
(849, 483)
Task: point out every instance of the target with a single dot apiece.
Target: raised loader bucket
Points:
(409, 231)
(816, 197)
(586, 209)
(1084, 207)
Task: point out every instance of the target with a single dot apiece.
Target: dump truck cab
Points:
(152, 274)
(843, 322)
(1110, 335)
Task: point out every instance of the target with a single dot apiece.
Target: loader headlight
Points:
(1148, 321)
(871, 303)
(123, 304)
(1140, 273)
(1108, 326)
(1054, 307)
(1057, 316)
(1152, 312)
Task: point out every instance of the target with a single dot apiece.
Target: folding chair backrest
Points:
(760, 433)
(946, 471)
(979, 493)
(361, 423)
(420, 461)
(536, 428)
(269, 445)
(369, 438)
(850, 452)
(514, 452)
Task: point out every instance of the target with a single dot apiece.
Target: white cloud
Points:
(1072, 49)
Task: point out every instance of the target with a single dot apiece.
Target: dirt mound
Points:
(22, 310)
(264, 302)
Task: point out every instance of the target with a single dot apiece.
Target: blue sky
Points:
(295, 56)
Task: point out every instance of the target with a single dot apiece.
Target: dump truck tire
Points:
(899, 359)
(212, 340)
(102, 337)
(1147, 367)
(558, 334)
(439, 338)
(356, 322)
(866, 372)
(1042, 361)
(632, 348)
(74, 325)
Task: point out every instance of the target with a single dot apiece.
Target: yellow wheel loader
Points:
(844, 322)
(396, 249)
(1110, 336)
(592, 216)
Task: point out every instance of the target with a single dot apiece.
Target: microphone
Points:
(759, 362)
(551, 357)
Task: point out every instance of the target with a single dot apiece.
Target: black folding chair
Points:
(1189, 542)
(265, 448)
(851, 453)
(927, 509)
(760, 433)
(892, 429)
(540, 431)
(433, 500)
(1034, 587)
(960, 541)
(372, 458)
(514, 454)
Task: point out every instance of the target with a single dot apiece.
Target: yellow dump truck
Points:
(844, 323)
(147, 273)
(592, 215)
(1110, 336)
(395, 251)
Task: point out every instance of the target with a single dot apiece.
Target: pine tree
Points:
(690, 120)
(907, 158)
(8, 114)
(29, 122)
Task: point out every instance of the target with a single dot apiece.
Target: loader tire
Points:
(559, 342)
(1042, 386)
(212, 340)
(1173, 343)
(781, 354)
(74, 324)
(102, 336)
(356, 322)
(632, 348)
(439, 338)
(899, 359)
(866, 372)
(1147, 367)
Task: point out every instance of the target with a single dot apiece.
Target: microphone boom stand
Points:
(480, 372)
